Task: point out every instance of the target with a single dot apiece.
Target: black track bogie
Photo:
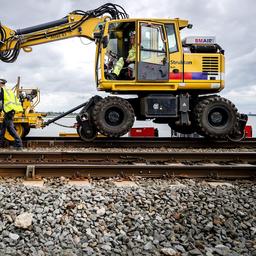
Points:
(86, 128)
(113, 116)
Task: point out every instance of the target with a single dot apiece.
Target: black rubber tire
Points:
(113, 116)
(215, 117)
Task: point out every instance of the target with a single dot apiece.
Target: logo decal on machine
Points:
(175, 62)
(204, 40)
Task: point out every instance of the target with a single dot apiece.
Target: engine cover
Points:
(159, 106)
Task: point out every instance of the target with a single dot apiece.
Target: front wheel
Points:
(113, 116)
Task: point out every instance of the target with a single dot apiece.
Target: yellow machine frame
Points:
(28, 118)
(184, 62)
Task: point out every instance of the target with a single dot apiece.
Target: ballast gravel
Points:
(155, 217)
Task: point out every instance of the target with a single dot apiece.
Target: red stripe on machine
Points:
(175, 76)
(179, 76)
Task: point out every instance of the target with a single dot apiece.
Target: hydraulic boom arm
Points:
(76, 24)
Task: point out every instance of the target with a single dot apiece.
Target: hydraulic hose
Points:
(51, 24)
(10, 55)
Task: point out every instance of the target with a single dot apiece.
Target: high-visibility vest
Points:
(11, 102)
(132, 54)
(118, 66)
(120, 63)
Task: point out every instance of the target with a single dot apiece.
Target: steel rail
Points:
(147, 164)
(33, 142)
(124, 157)
(170, 170)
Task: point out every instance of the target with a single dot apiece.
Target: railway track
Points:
(78, 164)
(125, 142)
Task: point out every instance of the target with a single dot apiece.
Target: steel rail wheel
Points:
(87, 135)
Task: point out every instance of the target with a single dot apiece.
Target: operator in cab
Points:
(10, 104)
(129, 60)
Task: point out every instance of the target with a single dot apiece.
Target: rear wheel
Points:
(216, 117)
(113, 116)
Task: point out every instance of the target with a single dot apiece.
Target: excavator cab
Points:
(151, 62)
(117, 51)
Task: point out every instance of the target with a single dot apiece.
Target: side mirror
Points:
(105, 41)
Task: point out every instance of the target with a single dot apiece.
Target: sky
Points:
(64, 70)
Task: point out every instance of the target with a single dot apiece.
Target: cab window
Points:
(152, 44)
(172, 40)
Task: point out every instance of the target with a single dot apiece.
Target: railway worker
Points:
(129, 60)
(10, 104)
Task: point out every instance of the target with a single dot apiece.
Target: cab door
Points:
(153, 57)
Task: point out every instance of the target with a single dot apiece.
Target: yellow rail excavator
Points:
(29, 118)
(171, 81)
